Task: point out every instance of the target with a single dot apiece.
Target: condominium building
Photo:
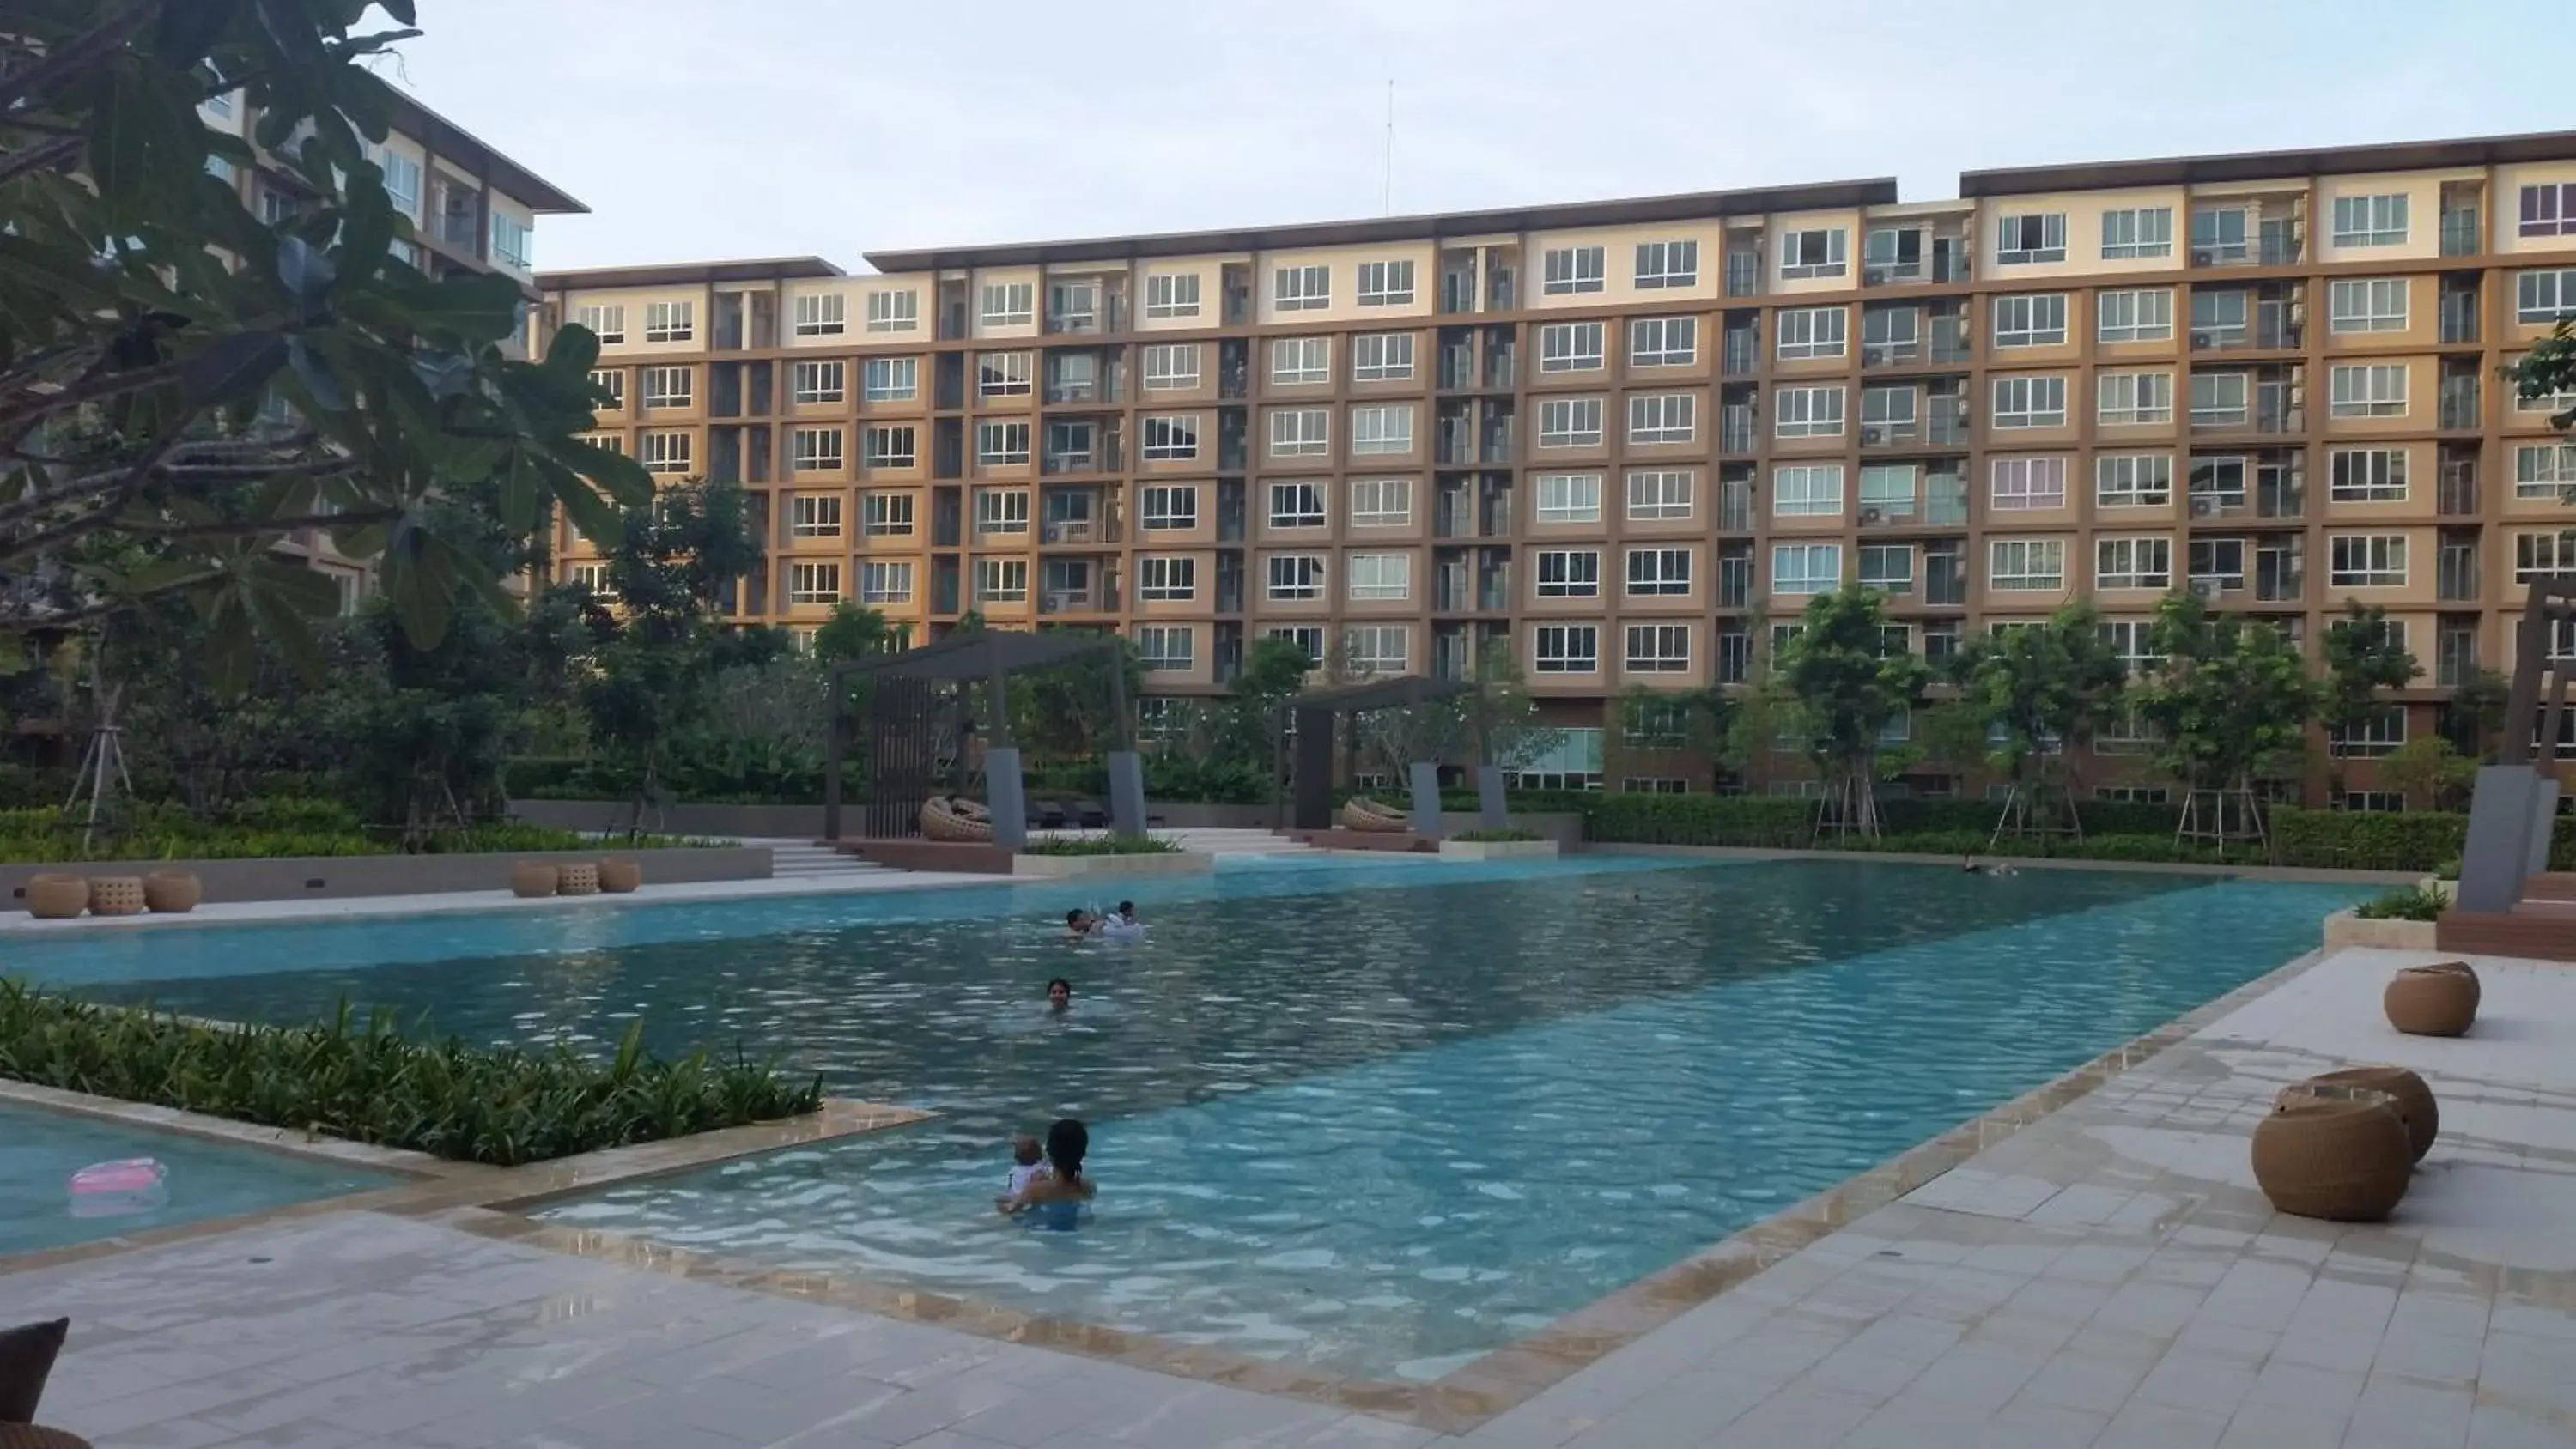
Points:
(1633, 438)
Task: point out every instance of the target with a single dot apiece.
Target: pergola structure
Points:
(1316, 712)
(902, 728)
(2516, 804)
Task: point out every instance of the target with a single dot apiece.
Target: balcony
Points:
(1890, 432)
(2459, 405)
(2279, 583)
(1734, 582)
(1735, 506)
(1946, 423)
(1079, 310)
(1100, 598)
(1102, 456)
(1945, 500)
(1894, 352)
(2459, 317)
(2455, 575)
(1740, 354)
(2279, 246)
(2460, 234)
(1743, 274)
(1080, 531)
(1735, 429)
(1458, 289)
(2455, 494)
(1945, 578)
(1950, 340)
(2275, 334)
(1457, 368)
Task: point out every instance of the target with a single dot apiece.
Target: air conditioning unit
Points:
(1873, 357)
(1869, 516)
(1871, 437)
(2205, 588)
(2202, 256)
(1875, 276)
(2201, 339)
(2203, 507)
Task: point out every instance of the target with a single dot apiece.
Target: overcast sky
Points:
(698, 129)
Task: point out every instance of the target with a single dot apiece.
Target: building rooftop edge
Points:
(446, 138)
(682, 274)
(2265, 165)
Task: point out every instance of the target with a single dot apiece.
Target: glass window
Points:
(822, 314)
(1659, 571)
(1813, 332)
(1663, 418)
(887, 379)
(2541, 298)
(813, 583)
(894, 311)
(1567, 649)
(2025, 484)
(1812, 491)
(670, 321)
(1667, 264)
(2135, 397)
(1806, 568)
(892, 446)
(1172, 436)
(1570, 347)
(1569, 573)
(1166, 647)
(1170, 507)
(1296, 576)
(1381, 502)
(1571, 269)
(2137, 316)
(1300, 432)
(2370, 221)
(887, 515)
(2367, 304)
(1658, 648)
(1569, 498)
(2373, 391)
(2033, 321)
(1009, 304)
(887, 582)
(1172, 367)
(1171, 294)
(1167, 580)
(1002, 510)
(2021, 564)
(1297, 505)
(2133, 480)
(1382, 357)
(1386, 284)
(817, 450)
(1663, 342)
(1299, 360)
(2366, 560)
(2545, 470)
(1815, 252)
(2030, 237)
(2137, 231)
(1001, 443)
(1659, 495)
(2133, 563)
(1382, 428)
(1301, 289)
(1381, 576)
(2030, 402)
(2368, 475)
(1001, 580)
(1810, 412)
(1378, 648)
(1569, 422)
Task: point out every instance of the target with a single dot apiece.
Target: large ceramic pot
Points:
(2342, 1157)
(57, 897)
(2432, 1000)
(116, 895)
(2409, 1098)
(619, 875)
(172, 892)
(530, 879)
(578, 879)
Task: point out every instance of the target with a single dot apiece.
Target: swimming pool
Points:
(39, 1152)
(1379, 1118)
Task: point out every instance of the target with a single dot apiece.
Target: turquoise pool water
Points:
(1380, 1118)
(39, 1152)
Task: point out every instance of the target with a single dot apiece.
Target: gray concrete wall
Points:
(342, 877)
(805, 822)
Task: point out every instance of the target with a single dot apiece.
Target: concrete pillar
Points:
(1491, 812)
(1005, 798)
(2497, 857)
(1126, 792)
(1426, 798)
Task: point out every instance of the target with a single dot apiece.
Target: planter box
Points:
(1498, 850)
(346, 877)
(1088, 867)
(2343, 928)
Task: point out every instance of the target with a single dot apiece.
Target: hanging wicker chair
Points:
(1362, 813)
(958, 822)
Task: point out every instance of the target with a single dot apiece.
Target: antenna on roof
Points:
(1386, 198)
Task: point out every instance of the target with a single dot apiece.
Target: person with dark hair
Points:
(1059, 996)
(1079, 922)
(1055, 1201)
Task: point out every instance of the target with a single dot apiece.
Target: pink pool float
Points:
(118, 1189)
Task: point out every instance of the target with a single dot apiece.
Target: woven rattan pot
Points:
(2345, 1159)
(172, 892)
(532, 878)
(619, 875)
(2410, 1098)
(578, 879)
(2432, 1000)
(116, 895)
(57, 897)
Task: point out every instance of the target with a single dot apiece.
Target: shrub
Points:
(2415, 840)
(2413, 903)
(266, 830)
(1743, 820)
(1101, 845)
(1490, 836)
(371, 1083)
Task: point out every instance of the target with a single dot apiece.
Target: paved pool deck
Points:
(2105, 1275)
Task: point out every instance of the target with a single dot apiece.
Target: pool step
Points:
(802, 859)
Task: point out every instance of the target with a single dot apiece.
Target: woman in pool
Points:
(1055, 1202)
(1059, 996)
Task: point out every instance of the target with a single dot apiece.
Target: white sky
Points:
(698, 129)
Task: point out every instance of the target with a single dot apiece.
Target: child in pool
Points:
(1028, 1164)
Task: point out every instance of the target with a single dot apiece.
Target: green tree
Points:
(855, 631)
(2041, 692)
(2364, 660)
(146, 316)
(1498, 720)
(1698, 721)
(2230, 700)
(2548, 370)
(2428, 772)
(1847, 690)
(2474, 718)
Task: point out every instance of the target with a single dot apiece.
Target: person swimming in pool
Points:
(1079, 923)
(1055, 1201)
(1059, 996)
(1120, 924)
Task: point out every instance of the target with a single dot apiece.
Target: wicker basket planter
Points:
(2432, 1000)
(579, 878)
(116, 895)
(2409, 1098)
(530, 879)
(2335, 1153)
(1361, 813)
(618, 875)
(956, 821)
(172, 892)
(57, 897)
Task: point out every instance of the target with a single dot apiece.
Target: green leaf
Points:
(306, 273)
(316, 376)
(120, 141)
(188, 31)
(234, 367)
(574, 353)
(367, 235)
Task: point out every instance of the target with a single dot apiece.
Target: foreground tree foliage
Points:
(146, 316)
(1848, 686)
(2229, 700)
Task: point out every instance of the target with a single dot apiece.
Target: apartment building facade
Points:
(1632, 439)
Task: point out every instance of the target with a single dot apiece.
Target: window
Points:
(2367, 304)
(1381, 576)
(666, 387)
(1810, 412)
(1382, 428)
(1298, 360)
(1001, 443)
(1297, 505)
(2218, 399)
(1169, 508)
(1887, 567)
(894, 311)
(1009, 304)
(1382, 357)
(1386, 284)
(2219, 480)
(1308, 638)
(2133, 563)
(1381, 502)
(2141, 316)
(822, 314)
(1167, 580)
(1301, 289)
(2133, 480)
(1663, 418)
(1569, 573)
(885, 583)
(1574, 764)
(813, 583)
(2130, 639)
(1569, 498)
(1297, 576)
(817, 450)
(670, 321)
(1001, 510)
(1569, 347)
(1172, 366)
(1161, 647)
(881, 379)
(2021, 564)
(2368, 475)
(1814, 491)
(2135, 397)
(1896, 329)
(886, 515)
(2547, 210)
(514, 242)
(1663, 342)
(666, 452)
(2544, 555)
(402, 186)
(1377, 648)
(1816, 252)
(1886, 489)
(1569, 422)
(1659, 495)
(2218, 234)
(1300, 432)
(607, 323)
(2030, 402)
(2036, 321)
(1571, 269)
(2034, 237)
(1171, 294)
(1004, 374)
(611, 384)
(2370, 221)
(590, 576)
(2544, 470)
(892, 446)
(2366, 560)
(814, 515)
(1001, 580)
(2020, 485)
(1171, 436)
(2543, 297)
(2374, 391)
(1667, 264)
(1658, 648)
(1568, 648)
(1806, 568)
(1813, 332)
(2137, 231)
(1655, 572)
